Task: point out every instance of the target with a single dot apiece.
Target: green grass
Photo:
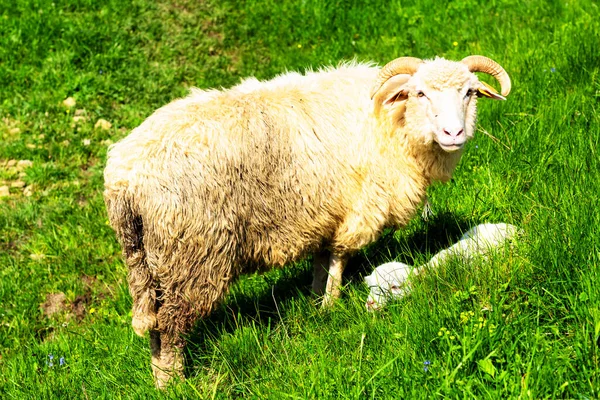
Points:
(522, 325)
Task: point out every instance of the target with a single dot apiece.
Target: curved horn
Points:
(402, 65)
(491, 67)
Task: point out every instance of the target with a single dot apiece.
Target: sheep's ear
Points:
(392, 90)
(488, 91)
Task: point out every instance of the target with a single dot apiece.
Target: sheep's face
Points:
(438, 103)
(444, 102)
(386, 282)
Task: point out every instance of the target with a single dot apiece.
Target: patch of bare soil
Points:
(55, 303)
(80, 304)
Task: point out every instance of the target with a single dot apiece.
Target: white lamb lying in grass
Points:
(389, 280)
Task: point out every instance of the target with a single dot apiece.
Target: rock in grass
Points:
(22, 164)
(103, 124)
(69, 102)
(37, 257)
(4, 191)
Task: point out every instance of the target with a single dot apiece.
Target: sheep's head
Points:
(437, 98)
(388, 281)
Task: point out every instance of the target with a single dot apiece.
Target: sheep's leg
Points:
(320, 272)
(427, 212)
(175, 317)
(337, 263)
(167, 357)
(182, 303)
(143, 292)
(130, 230)
(358, 228)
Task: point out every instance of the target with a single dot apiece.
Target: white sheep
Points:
(225, 182)
(392, 280)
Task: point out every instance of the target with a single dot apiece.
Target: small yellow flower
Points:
(454, 44)
(464, 317)
(299, 46)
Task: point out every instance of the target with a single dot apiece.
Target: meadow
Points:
(78, 75)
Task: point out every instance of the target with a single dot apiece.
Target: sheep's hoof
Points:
(143, 323)
(328, 301)
(161, 378)
(318, 288)
(164, 376)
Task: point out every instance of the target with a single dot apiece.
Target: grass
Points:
(522, 325)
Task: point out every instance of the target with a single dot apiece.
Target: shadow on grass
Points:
(262, 307)
(429, 238)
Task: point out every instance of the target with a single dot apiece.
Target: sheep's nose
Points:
(371, 305)
(454, 132)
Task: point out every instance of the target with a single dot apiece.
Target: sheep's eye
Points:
(420, 93)
(469, 93)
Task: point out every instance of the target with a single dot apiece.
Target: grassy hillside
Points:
(523, 324)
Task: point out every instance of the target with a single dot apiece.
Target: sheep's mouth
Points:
(452, 147)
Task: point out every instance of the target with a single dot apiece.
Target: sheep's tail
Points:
(128, 225)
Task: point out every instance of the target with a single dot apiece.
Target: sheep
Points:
(391, 280)
(224, 182)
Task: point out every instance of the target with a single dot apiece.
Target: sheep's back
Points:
(265, 175)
